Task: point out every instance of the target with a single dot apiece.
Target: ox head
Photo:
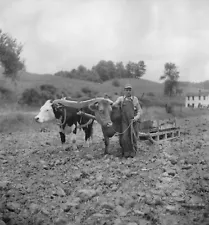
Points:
(102, 109)
(47, 112)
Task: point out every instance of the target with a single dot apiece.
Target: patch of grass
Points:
(77, 95)
(183, 112)
(150, 94)
(116, 83)
(6, 94)
(23, 120)
(156, 112)
(16, 121)
(161, 100)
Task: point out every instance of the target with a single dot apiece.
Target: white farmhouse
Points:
(198, 99)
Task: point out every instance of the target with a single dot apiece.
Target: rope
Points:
(142, 134)
(86, 124)
(131, 123)
(132, 133)
(64, 118)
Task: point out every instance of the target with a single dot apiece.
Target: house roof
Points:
(201, 93)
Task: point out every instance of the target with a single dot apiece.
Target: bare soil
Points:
(44, 183)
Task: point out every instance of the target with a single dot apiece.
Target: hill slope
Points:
(29, 80)
(140, 86)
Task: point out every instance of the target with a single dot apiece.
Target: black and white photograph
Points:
(104, 112)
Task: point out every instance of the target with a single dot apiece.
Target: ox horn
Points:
(81, 104)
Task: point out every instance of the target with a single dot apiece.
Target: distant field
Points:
(23, 120)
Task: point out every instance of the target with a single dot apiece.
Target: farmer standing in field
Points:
(128, 96)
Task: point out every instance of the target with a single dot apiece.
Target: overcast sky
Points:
(62, 34)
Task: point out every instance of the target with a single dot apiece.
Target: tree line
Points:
(106, 70)
(10, 51)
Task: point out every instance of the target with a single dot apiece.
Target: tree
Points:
(120, 70)
(10, 51)
(171, 76)
(179, 91)
(135, 70)
(62, 73)
(140, 69)
(81, 69)
(81, 72)
(111, 69)
(105, 69)
(92, 75)
(130, 69)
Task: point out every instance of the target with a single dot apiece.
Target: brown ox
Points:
(116, 120)
(112, 120)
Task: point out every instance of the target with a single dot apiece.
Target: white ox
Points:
(69, 120)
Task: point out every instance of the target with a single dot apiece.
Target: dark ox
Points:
(116, 120)
(68, 116)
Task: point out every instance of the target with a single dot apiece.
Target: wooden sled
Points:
(160, 130)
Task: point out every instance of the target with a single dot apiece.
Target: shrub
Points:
(116, 83)
(47, 91)
(48, 88)
(148, 101)
(89, 92)
(77, 94)
(150, 94)
(145, 102)
(30, 96)
(86, 90)
(39, 95)
(12, 121)
(5, 93)
(169, 108)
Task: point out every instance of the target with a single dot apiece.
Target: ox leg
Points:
(86, 143)
(107, 142)
(62, 134)
(88, 135)
(74, 139)
(62, 137)
(91, 133)
(121, 144)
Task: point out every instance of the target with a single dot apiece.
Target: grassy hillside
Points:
(201, 85)
(28, 80)
(153, 91)
(140, 86)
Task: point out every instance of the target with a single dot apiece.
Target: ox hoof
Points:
(74, 147)
(65, 147)
(86, 145)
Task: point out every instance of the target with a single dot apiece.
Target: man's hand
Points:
(135, 119)
(79, 112)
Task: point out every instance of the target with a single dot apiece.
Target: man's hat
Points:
(128, 86)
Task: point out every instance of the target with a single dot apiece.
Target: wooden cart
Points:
(159, 130)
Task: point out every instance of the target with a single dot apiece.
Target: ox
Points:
(52, 110)
(114, 120)
(117, 120)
